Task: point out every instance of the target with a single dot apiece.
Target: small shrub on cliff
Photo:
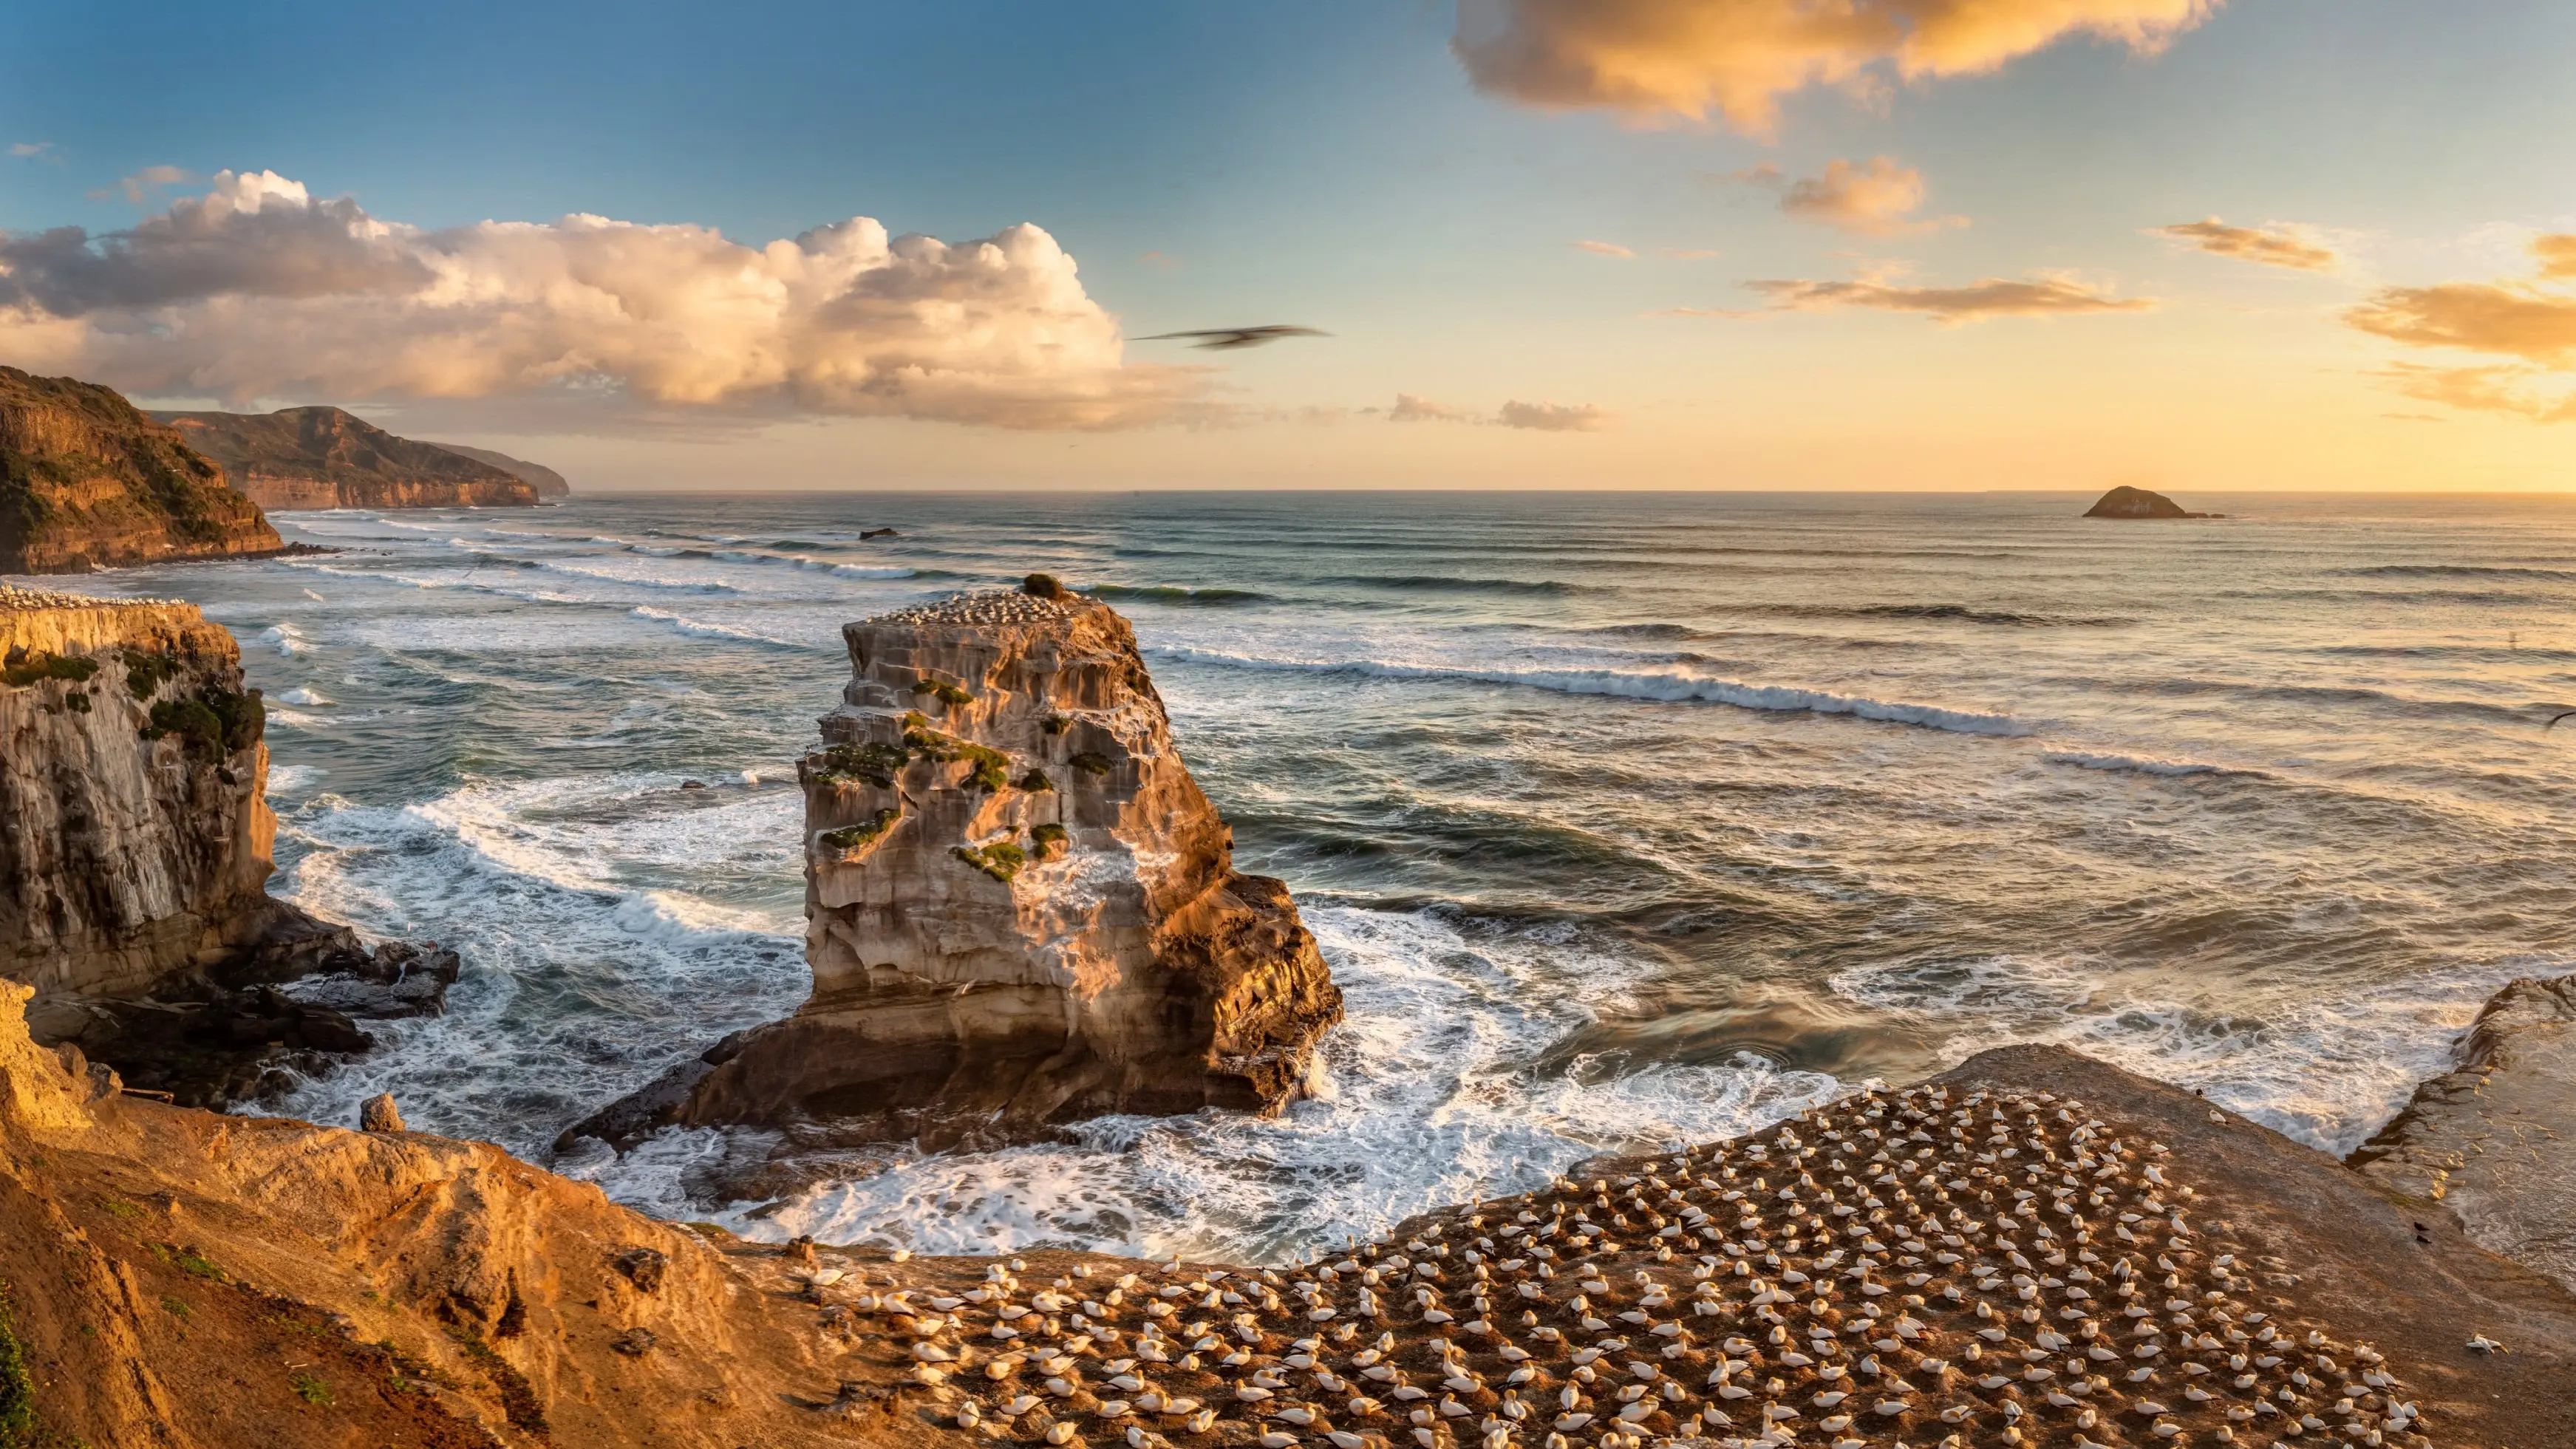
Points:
(1042, 586)
(1035, 781)
(874, 764)
(221, 722)
(17, 1385)
(945, 692)
(1001, 860)
(851, 837)
(146, 673)
(992, 767)
(28, 669)
(1057, 724)
(1091, 764)
(1046, 840)
(311, 1389)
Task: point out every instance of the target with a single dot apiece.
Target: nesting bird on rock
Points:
(1935, 1268)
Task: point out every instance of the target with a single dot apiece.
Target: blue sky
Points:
(1332, 164)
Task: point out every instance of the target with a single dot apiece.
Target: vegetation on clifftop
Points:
(87, 481)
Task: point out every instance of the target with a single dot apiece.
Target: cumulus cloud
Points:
(2044, 296)
(1654, 59)
(1605, 249)
(1871, 198)
(1544, 416)
(256, 289)
(2275, 246)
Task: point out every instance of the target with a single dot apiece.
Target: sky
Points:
(1770, 244)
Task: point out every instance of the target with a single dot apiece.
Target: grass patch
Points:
(119, 1207)
(17, 1384)
(1001, 860)
(868, 764)
(36, 667)
(943, 691)
(1046, 840)
(311, 1389)
(177, 1308)
(852, 837)
(146, 673)
(992, 767)
(1035, 781)
(195, 1266)
(1091, 764)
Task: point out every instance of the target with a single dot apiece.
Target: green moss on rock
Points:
(1001, 860)
(853, 837)
(27, 669)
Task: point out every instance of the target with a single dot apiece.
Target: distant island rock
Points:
(88, 481)
(2128, 502)
(324, 457)
(547, 482)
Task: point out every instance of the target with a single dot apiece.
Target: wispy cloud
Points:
(1161, 260)
(2523, 320)
(257, 289)
(1662, 59)
(1546, 417)
(1606, 249)
(2043, 296)
(2277, 245)
(1872, 198)
(34, 150)
(144, 187)
(1688, 254)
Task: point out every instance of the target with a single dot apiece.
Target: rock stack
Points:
(1020, 908)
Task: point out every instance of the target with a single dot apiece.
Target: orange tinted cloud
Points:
(1663, 58)
(2557, 254)
(2276, 246)
(1550, 417)
(2506, 318)
(2496, 388)
(1605, 249)
(1990, 297)
(1871, 198)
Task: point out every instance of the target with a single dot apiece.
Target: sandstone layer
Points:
(2491, 1146)
(1021, 910)
(2039, 1250)
(322, 457)
(134, 841)
(88, 482)
(547, 482)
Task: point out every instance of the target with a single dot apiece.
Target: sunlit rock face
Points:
(1020, 908)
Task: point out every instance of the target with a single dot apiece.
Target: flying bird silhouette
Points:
(2554, 719)
(1231, 337)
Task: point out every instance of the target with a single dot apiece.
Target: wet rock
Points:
(379, 1114)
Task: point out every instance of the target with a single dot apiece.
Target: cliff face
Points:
(87, 481)
(1020, 908)
(547, 482)
(322, 457)
(133, 837)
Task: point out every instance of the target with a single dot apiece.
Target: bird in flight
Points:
(1231, 337)
(2554, 719)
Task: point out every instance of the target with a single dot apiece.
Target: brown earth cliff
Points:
(88, 482)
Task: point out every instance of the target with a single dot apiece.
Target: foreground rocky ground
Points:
(2033, 1249)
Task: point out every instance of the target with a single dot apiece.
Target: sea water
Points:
(1621, 819)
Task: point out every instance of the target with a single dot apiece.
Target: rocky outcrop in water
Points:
(1020, 909)
(2491, 1145)
(87, 481)
(2127, 502)
(547, 482)
(135, 850)
(322, 457)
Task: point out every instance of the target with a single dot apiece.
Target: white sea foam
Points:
(302, 695)
(1664, 686)
(702, 629)
(286, 639)
(1433, 1093)
(293, 719)
(293, 779)
(2324, 1064)
(2134, 764)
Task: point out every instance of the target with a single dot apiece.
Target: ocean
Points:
(1622, 819)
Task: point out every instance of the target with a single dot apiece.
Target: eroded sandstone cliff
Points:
(322, 457)
(1020, 907)
(87, 481)
(134, 841)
